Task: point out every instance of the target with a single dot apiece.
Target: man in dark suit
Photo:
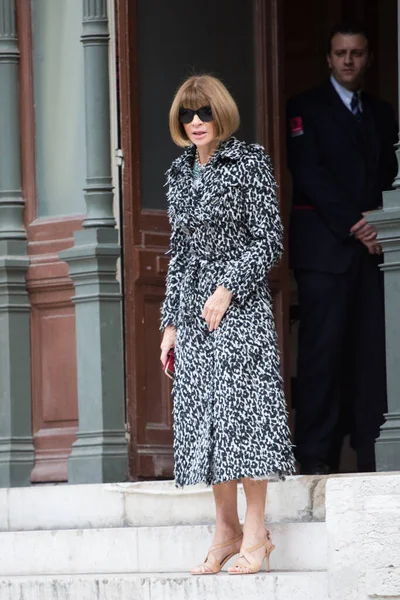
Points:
(341, 157)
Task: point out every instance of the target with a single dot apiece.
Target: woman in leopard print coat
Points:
(230, 418)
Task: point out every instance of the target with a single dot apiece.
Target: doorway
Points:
(306, 28)
(160, 44)
(265, 51)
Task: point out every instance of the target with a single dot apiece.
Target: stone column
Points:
(100, 451)
(387, 223)
(16, 449)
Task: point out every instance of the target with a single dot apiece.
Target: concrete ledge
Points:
(299, 499)
(274, 586)
(384, 583)
(299, 547)
(363, 528)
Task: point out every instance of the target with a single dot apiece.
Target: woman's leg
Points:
(254, 530)
(256, 497)
(227, 526)
(227, 523)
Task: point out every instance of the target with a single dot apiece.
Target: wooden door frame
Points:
(271, 131)
(137, 223)
(126, 22)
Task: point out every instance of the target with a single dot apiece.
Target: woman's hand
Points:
(168, 342)
(216, 306)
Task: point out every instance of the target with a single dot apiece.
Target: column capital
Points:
(396, 183)
(387, 223)
(95, 22)
(11, 201)
(94, 10)
(99, 188)
(8, 32)
(8, 28)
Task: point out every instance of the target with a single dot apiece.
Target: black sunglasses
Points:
(186, 115)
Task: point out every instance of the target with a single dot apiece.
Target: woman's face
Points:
(199, 132)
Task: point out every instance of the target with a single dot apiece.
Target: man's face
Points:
(348, 59)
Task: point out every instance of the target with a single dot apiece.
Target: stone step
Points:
(299, 547)
(147, 504)
(271, 586)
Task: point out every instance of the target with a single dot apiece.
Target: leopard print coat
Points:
(230, 418)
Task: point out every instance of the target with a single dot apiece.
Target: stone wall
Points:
(363, 529)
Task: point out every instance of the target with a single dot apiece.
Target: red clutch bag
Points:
(169, 367)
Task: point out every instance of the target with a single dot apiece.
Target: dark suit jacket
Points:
(339, 167)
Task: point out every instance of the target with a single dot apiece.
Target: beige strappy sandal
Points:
(253, 566)
(212, 566)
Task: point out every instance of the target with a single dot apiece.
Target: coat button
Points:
(185, 229)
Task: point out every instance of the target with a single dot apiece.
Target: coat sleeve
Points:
(176, 269)
(244, 274)
(312, 179)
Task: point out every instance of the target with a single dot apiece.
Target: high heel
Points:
(211, 565)
(253, 566)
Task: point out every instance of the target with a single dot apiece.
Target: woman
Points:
(230, 419)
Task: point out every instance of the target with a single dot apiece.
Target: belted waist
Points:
(303, 207)
(198, 283)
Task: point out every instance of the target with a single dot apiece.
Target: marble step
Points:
(299, 547)
(158, 586)
(147, 504)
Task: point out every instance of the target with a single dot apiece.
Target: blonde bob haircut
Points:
(204, 90)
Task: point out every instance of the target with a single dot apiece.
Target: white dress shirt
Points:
(344, 94)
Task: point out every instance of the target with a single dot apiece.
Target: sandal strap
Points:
(212, 564)
(254, 548)
(246, 554)
(228, 543)
(253, 564)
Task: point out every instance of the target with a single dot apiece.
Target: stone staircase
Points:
(138, 541)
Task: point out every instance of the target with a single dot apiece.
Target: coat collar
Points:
(231, 149)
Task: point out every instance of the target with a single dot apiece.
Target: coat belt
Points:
(303, 207)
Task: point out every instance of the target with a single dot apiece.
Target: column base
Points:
(16, 447)
(387, 446)
(100, 452)
(98, 457)
(17, 458)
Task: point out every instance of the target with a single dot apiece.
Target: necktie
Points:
(356, 106)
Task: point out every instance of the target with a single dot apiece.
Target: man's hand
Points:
(373, 247)
(168, 342)
(363, 231)
(216, 306)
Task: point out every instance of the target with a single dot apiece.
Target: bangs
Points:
(199, 91)
(194, 97)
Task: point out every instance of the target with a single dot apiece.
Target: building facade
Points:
(85, 87)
